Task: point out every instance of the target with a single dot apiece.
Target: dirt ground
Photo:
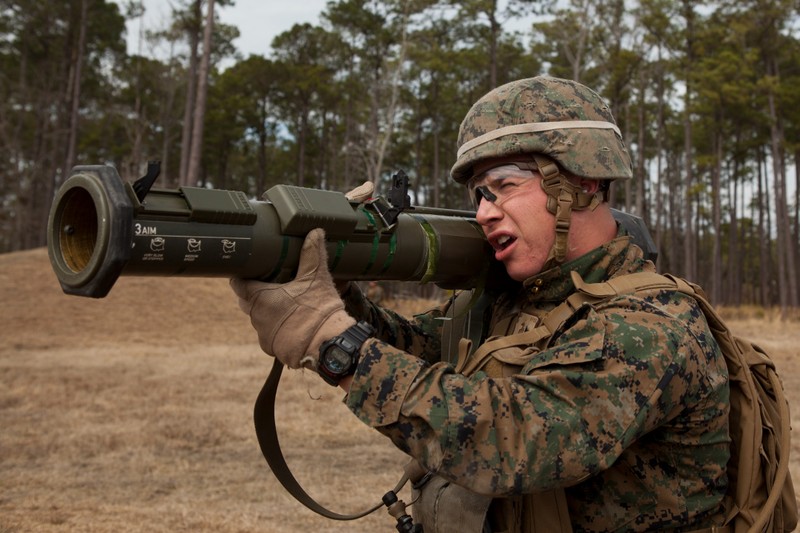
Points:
(134, 413)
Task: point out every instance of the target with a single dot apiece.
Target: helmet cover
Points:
(558, 118)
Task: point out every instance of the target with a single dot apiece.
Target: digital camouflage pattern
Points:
(626, 406)
(602, 154)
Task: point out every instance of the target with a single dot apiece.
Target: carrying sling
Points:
(267, 435)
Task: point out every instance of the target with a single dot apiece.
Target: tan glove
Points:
(293, 319)
(361, 193)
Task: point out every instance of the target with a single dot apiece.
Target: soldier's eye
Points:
(484, 192)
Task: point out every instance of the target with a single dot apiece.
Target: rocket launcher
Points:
(101, 227)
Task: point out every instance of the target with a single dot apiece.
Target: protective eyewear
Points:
(499, 183)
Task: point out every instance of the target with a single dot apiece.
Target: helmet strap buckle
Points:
(562, 197)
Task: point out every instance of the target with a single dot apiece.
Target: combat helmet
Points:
(549, 125)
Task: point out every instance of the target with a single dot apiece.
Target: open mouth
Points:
(502, 242)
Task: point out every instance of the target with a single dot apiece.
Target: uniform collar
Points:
(616, 257)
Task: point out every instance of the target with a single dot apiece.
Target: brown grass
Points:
(133, 413)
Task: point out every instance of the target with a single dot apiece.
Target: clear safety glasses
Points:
(499, 184)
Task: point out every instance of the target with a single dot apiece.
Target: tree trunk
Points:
(494, 30)
(763, 244)
(75, 96)
(301, 147)
(735, 255)
(661, 222)
(135, 161)
(716, 214)
(640, 167)
(787, 273)
(198, 119)
(689, 258)
(796, 237)
(172, 180)
(393, 105)
(261, 174)
(418, 144)
(688, 213)
(673, 179)
(191, 95)
(771, 268)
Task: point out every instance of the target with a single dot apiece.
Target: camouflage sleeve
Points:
(616, 373)
(419, 337)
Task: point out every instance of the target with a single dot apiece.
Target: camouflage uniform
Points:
(626, 406)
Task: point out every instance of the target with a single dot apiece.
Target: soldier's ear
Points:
(589, 186)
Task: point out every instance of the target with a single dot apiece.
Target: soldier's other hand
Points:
(293, 319)
(361, 193)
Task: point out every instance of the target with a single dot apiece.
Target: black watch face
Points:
(336, 360)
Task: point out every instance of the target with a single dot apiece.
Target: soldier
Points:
(615, 421)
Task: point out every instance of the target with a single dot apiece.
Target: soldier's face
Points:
(512, 212)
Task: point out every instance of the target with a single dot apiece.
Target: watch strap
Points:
(358, 333)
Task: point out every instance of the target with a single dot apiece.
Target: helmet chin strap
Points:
(563, 196)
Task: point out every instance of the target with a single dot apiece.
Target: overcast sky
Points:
(259, 21)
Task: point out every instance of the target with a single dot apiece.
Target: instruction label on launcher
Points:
(178, 247)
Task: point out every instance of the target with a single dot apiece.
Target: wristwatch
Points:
(338, 357)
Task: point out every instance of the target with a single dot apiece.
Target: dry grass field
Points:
(134, 413)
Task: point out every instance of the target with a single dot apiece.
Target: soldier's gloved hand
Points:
(361, 193)
(293, 319)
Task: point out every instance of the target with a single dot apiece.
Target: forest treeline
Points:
(707, 95)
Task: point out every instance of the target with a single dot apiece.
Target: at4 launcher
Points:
(101, 227)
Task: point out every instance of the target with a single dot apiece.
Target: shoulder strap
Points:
(550, 323)
(627, 284)
(481, 356)
(585, 293)
(464, 319)
(266, 432)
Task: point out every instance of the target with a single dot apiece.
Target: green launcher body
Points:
(101, 228)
